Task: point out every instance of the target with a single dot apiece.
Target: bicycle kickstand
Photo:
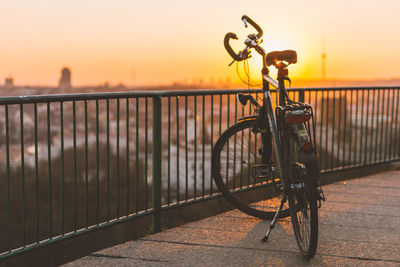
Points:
(275, 219)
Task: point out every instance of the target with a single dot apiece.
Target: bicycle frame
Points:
(269, 112)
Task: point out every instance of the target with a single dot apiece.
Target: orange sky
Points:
(158, 42)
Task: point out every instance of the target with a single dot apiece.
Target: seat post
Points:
(283, 73)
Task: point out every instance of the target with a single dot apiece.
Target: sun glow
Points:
(173, 41)
(274, 40)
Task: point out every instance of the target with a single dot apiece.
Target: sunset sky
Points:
(159, 42)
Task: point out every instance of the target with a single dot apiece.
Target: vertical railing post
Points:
(156, 183)
(301, 96)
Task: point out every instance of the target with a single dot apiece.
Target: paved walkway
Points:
(359, 225)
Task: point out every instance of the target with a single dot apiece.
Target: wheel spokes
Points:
(303, 218)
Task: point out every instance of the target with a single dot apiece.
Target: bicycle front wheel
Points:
(241, 173)
(304, 211)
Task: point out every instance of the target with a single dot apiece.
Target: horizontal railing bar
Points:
(341, 88)
(141, 94)
(113, 95)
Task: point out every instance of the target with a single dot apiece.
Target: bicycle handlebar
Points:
(228, 36)
(245, 53)
(246, 19)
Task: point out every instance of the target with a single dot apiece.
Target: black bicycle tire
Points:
(244, 207)
(309, 251)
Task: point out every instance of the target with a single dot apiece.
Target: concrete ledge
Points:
(356, 172)
(79, 246)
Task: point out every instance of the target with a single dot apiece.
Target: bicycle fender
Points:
(248, 118)
(308, 157)
(262, 123)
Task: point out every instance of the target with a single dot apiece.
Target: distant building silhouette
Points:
(65, 80)
(9, 83)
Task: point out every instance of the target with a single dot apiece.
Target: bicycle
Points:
(257, 144)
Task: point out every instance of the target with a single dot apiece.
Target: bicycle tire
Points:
(228, 173)
(304, 212)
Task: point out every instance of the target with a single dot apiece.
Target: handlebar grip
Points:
(228, 36)
(255, 25)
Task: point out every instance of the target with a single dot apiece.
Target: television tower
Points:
(323, 58)
(65, 80)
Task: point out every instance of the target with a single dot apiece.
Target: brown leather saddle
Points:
(290, 56)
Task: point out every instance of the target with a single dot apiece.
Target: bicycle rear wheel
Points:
(303, 209)
(241, 173)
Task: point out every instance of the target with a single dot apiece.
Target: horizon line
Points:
(181, 83)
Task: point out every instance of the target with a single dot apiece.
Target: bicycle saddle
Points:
(290, 56)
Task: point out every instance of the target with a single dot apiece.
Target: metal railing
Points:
(70, 164)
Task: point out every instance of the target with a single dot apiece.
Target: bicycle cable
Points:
(250, 83)
(246, 69)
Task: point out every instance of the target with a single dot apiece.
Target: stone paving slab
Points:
(381, 200)
(359, 225)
